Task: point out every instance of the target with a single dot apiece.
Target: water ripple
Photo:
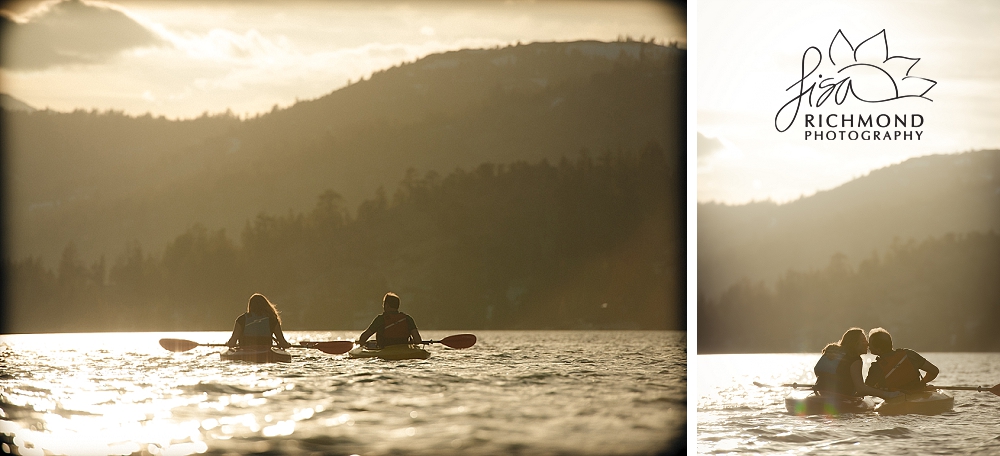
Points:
(735, 416)
(574, 393)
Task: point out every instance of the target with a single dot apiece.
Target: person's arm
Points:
(372, 329)
(237, 333)
(364, 336)
(414, 332)
(932, 372)
(861, 387)
(279, 337)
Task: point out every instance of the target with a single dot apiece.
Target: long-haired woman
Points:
(259, 325)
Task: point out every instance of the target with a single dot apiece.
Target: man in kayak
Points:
(839, 369)
(258, 326)
(899, 369)
(391, 327)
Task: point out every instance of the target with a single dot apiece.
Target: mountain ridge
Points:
(118, 179)
(10, 103)
(918, 198)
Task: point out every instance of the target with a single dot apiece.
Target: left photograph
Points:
(367, 228)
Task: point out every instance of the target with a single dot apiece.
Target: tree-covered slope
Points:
(101, 180)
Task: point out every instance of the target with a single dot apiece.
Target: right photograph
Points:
(848, 227)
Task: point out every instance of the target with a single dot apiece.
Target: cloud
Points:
(70, 32)
(708, 146)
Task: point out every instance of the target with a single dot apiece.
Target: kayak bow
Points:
(392, 352)
(920, 403)
(811, 403)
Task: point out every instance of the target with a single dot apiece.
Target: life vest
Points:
(395, 331)
(899, 371)
(256, 330)
(833, 372)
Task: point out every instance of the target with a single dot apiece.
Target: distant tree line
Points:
(922, 197)
(588, 242)
(93, 177)
(942, 294)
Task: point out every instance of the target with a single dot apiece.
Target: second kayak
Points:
(392, 352)
(920, 403)
(808, 402)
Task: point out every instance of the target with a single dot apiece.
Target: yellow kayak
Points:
(392, 352)
(257, 355)
(810, 403)
(921, 403)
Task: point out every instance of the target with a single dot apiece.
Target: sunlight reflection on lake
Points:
(736, 416)
(121, 393)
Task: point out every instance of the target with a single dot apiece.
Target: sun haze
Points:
(182, 59)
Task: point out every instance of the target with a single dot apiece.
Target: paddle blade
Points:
(333, 347)
(178, 345)
(995, 389)
(459, 341)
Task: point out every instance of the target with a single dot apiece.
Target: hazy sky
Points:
(749, 53)
(182, 58)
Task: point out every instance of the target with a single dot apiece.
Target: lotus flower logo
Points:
(865, 72)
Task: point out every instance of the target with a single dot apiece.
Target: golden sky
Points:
(183, 58)
(749, 53)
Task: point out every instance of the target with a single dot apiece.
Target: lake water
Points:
(514, 392)
(734, 416)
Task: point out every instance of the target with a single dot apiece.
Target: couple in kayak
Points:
(261, 324)
(894, 373)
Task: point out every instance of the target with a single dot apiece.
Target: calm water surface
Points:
(512, 393)
(736, 417)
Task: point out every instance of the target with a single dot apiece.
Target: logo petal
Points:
(841, 51)
(899, 66)
(912, 86)
(874, 50)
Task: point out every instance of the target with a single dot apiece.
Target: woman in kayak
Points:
(391, 327)
(897, 370)
(839, 369)
(258, 326)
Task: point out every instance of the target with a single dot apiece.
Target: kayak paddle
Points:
(183, 345)
(995, 389)
(333, 347)
(787, 385)
(455, 341)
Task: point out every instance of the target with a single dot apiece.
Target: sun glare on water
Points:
(97, 396)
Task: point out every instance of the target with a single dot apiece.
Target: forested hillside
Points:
(101, 180)
(587, 242)
(921, 197)
(939, 294)
(913, 247)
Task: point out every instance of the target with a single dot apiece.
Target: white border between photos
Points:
(692, 227)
